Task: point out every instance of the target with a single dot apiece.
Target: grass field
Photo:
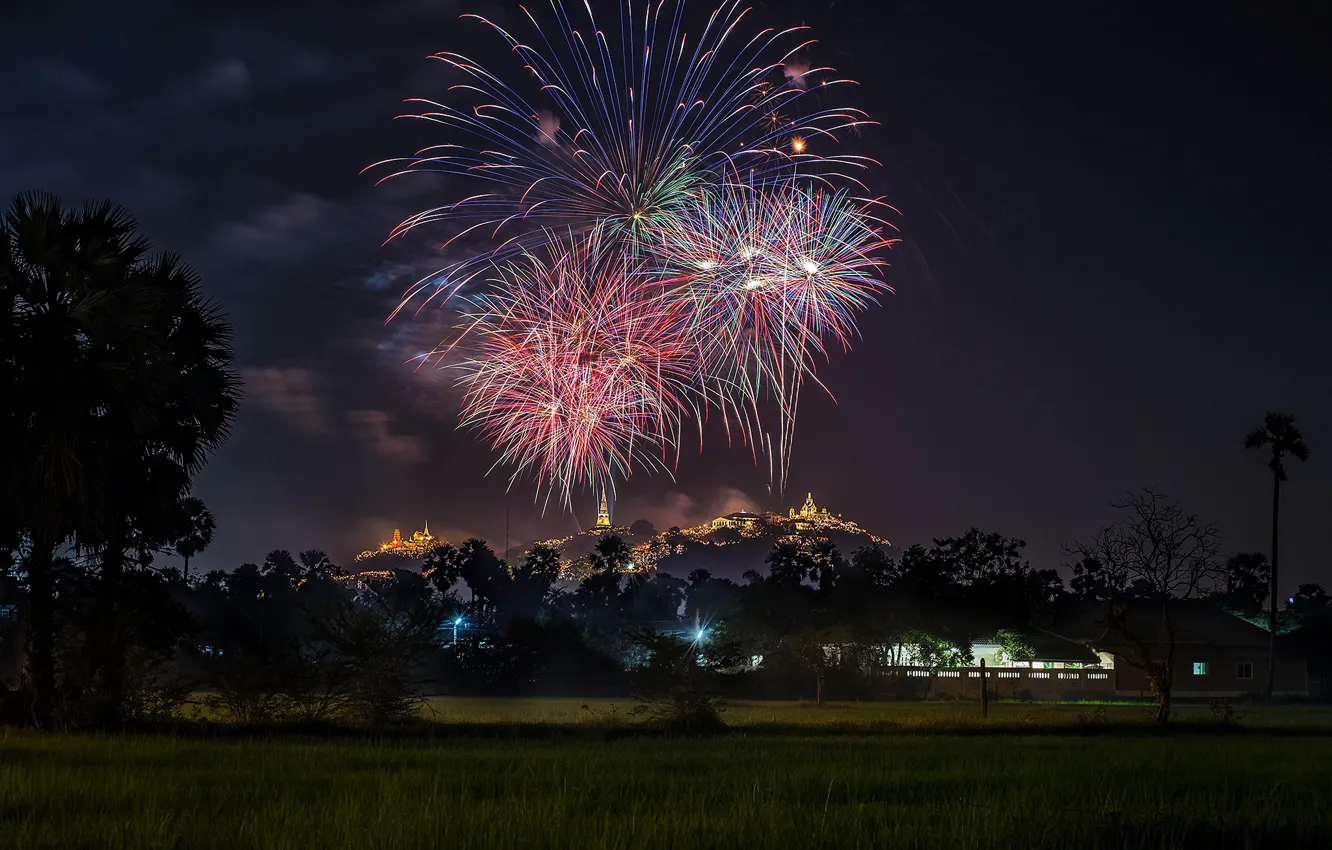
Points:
(788, 776)
(872, 716)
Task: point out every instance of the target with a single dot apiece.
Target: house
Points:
(737, 520)
(1052, 652)
(1215, 653)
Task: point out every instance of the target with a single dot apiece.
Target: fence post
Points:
(985, 692)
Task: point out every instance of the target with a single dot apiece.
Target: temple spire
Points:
(603, 513)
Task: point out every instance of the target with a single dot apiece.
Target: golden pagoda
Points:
(416, 546)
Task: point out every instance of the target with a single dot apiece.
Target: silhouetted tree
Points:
(611, 554)
(1161, 553)
(317, 564)
(1244, 587)
(530, 582)
(196, 533)
(484, 573)
(119, 387)
(1279, 434)
(709, 599)
(443, 566)
(1311, 605)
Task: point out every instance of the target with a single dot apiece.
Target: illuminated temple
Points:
(417, 546)
(808, 517)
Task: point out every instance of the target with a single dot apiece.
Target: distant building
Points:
(809, 517)
(420, 544)
(1216, 654)
(603, 513)
(738, 520)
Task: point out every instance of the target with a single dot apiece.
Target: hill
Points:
(727, 546)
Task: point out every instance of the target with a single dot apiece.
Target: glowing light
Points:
(797, 145)
(809, 266)
(753, 283)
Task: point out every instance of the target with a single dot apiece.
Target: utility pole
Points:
(985, 691)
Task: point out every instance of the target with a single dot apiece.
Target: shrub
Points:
(1222, 710)
(674, 692)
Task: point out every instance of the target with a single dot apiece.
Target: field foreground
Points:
(802, 787)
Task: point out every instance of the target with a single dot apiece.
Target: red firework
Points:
(580, 370)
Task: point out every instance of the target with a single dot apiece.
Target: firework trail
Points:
(617, 128)
(770, 276)
(669, 230)
(579, 371)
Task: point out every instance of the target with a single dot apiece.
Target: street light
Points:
(456, 623)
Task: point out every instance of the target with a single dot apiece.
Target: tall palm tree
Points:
(1279, 433)
(119, 376)
(197, 531)
(60, 317)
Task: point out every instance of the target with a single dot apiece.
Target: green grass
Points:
(787, 776)
(881, 716)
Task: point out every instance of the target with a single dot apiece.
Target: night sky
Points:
(1115, 220)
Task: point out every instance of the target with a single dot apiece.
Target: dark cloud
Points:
(375, 429)
(224, 80)
(290, 393)
(49, 79)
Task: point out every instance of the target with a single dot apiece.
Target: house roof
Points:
(1193, 622)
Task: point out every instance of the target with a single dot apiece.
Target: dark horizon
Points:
(1110, 271)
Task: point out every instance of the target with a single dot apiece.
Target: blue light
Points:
(458, 622)
(700, 634)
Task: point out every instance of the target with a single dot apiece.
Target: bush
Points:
(153, 691)
(674, 693)
(380, 652)
(1222, 710)
(251, 691)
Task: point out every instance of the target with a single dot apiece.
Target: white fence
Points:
(1003, 683)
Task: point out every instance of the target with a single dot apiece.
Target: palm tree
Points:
(148, 452)
(1278, 432)
(197, 531)
(60, 320)
(118, 375)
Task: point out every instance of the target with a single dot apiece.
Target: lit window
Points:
(1200, 668)
(1244, 670)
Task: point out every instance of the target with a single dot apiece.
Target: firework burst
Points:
(771, 275)
(579, 373)
(618, 128)
(671, 229)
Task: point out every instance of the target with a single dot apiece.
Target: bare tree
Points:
(1155, 554)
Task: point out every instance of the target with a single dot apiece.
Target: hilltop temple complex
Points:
(808, 518)
(417, 546)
